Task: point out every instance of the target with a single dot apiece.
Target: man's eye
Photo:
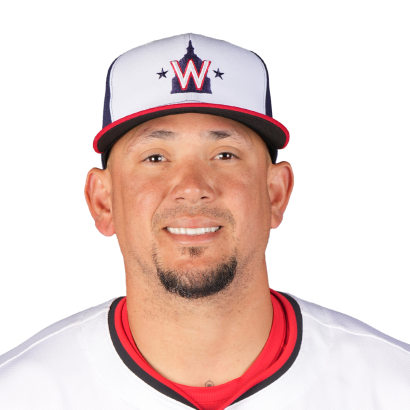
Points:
(226, 156)
(154, 155)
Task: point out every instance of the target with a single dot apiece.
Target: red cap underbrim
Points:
(274, 134)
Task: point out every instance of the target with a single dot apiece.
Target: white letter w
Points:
(190, 70)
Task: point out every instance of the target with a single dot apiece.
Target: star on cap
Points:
(162, 73)
(218, 74)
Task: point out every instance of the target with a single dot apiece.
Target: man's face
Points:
(191, 171)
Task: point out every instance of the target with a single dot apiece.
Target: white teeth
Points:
(190, 231)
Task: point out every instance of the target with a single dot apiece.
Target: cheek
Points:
(145, 196)
(136, 200)
(247, 197)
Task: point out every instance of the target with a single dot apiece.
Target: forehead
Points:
(203, 126)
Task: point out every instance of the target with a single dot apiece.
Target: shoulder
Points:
(344, 348)
(53, 334)
(53, 357)
(346, 325)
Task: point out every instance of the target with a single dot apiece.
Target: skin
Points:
(216, 338)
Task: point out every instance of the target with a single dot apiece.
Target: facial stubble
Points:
(196, 283)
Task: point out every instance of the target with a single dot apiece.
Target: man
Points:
(191, 187)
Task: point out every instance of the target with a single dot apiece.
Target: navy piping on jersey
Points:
(162, 388)
(286, 366)
(129, 362)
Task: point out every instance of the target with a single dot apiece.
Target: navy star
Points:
(218, 74)
(162, 73)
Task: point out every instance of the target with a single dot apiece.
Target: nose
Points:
(193, 184)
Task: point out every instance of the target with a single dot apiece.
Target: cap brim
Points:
(275, 135)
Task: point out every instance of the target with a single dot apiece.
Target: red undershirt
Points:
(278, 348)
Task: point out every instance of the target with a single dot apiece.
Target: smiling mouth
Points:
(195, 238)
(193, 231)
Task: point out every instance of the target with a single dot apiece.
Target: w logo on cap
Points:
(191, 74)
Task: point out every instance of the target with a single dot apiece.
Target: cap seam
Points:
(111, 88)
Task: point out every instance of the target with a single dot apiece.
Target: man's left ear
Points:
(280, 185)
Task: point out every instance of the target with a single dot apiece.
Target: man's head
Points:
(190, 171)
(185, 150)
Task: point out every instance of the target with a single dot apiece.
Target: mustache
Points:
(185, 211)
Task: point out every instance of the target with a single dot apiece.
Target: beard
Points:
(196, 284)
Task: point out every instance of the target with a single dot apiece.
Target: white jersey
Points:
(339, 363)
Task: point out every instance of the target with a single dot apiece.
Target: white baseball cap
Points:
(188, 73)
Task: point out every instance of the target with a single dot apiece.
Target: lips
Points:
(193, 237)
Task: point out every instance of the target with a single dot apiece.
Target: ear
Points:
(98, 196)
(280, 185)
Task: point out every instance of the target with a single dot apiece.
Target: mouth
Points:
(199, 235)
(193, 231)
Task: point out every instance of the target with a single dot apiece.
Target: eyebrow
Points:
(149, 135)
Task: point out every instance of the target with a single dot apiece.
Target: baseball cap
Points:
(188, 73)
